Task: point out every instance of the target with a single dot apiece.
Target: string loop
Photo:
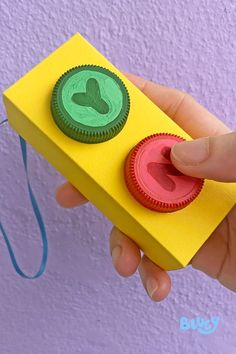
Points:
(39, 222)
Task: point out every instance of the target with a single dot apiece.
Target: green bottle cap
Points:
(90, 104)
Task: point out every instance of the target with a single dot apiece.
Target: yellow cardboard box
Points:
(169, 239)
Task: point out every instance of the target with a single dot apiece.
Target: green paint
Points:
(110, 93)
(90, 104)
(92, 97)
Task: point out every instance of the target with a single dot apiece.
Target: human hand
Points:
(213, 156)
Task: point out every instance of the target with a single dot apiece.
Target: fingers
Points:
(210, 157)
(155, 280)
(125, 253)
(68, 196)
(126, 258)
(196, 120)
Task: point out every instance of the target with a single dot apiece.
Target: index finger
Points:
(196, 120)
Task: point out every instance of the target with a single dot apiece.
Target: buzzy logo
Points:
(203, 326)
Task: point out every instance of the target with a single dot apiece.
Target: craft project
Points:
(113, 144)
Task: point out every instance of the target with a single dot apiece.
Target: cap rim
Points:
(140, 195)
(78, 131)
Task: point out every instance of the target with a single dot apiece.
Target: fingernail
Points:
(115, 254)
(191, 152)
(151, 286)
(137, 81)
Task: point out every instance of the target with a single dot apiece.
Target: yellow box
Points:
(169, 239)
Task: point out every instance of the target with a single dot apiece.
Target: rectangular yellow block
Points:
(169, 239)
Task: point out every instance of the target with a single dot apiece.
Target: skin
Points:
(217, 256)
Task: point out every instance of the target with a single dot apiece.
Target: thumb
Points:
(210, 157)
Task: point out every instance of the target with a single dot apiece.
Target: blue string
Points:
(3, 122)
(39, 221)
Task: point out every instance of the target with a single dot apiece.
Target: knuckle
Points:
(178, 103)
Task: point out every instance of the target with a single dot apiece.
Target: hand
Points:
(212, 155)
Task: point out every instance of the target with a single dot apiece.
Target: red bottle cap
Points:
(152, 178)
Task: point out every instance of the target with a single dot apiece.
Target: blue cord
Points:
(38, 218)
(3, 122)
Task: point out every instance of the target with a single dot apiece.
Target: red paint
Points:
(154, 181)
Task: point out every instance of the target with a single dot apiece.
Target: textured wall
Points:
(80, 305)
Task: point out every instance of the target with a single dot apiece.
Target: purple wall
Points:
(80, 305)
